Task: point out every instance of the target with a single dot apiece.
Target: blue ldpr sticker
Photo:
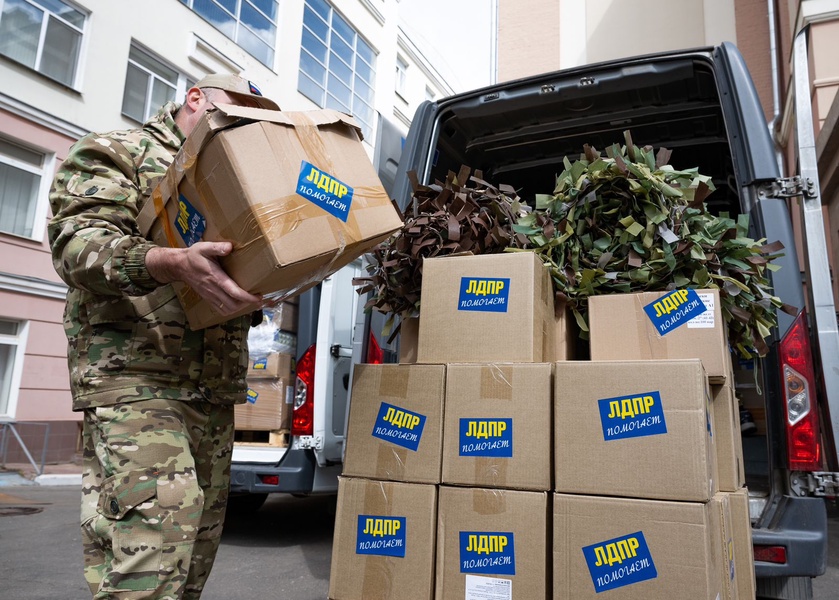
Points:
(483, 294)
(674, 310)
(636, 415)
(619, 562)
(381, 535)
(332, 195)
(399, 426)
(260, 364)
(486, 437)
(487, 552)
(190, 223)
(252, 396)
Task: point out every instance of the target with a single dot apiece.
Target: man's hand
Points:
(198, 267)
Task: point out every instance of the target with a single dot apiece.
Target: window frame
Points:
(356, 100)
(239, 23)
(45, 172)
(39, 52)
(185, 81)
(18, 341)
(401, 76)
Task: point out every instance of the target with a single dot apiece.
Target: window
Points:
(44, 35)
(250, 23)
(12, 335)
(23, 190)
(149, 84)
(401, 75)
(337, 67)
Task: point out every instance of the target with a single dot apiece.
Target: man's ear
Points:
(195, 98)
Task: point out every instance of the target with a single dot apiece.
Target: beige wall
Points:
(528, 37)
(536, 36)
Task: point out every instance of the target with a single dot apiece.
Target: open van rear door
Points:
(819, 289)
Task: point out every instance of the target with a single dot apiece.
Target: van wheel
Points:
(246, 503)
(785, 588)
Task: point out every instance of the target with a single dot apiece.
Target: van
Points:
(702, 105)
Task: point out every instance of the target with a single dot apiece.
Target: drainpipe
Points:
(776, 94)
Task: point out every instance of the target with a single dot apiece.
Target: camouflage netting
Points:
(621, 223)
(630, 222)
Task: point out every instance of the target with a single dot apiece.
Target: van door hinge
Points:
(789, 187)
(819, 483)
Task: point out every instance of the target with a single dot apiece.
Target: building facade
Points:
(70, 67)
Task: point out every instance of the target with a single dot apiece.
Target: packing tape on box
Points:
(496, 384)
(489, 501)
(376, 576)
(391, 457)
(656, 346)
(167, 187)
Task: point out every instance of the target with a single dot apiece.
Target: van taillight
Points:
(302, 416)
(375, 354)
(799, 394)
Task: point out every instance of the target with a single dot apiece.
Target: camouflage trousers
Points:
(154, 491)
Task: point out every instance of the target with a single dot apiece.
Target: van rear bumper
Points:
(800, 525)
(295, 472)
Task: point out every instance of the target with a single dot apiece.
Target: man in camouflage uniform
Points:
(157, 397)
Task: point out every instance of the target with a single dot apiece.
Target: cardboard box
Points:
(690, 325)
(275, 365)
(283, 316)
(636, 549)
(395, 429)
(295, 192)
(497, 431)
(408, 340)
(729, 442)
(744, 558)
(487, 308)
(492, 544)
(268, 407)
(638, 429)
(384, 541)
(727, 566)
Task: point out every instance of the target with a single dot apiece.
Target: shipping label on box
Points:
(684, 323)
(488, 552)
(384, 542)
(295, 192)
(399, 426)
(636, 549)
(620, 561)
(643, 426)
(487, 308)
(486, 437)
(674, 310)
(395, 429)
(492, 544)
(381, 535)
(637, 415)
(498, 426)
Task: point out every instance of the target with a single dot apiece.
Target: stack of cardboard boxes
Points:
(270, 373)
(495, 468)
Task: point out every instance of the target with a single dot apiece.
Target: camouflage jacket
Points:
(128, 336)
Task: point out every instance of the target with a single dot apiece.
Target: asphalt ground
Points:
(281, 551)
